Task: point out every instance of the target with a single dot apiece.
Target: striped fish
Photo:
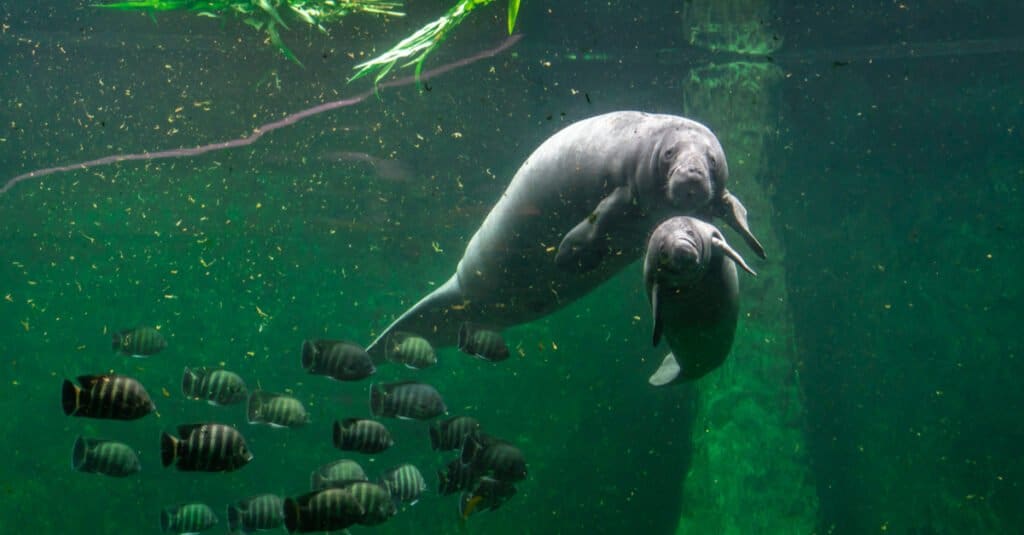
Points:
(364, 436)
(405, 483)
(494, 457)
(106, 457)
(115, 397)
(482, 343)
(406, 400)
(187, 518)
(323, 510)
(451, 433)
(337, 359)
(276, 410)
(413, 351)
(205, 448)
(375, 501)
(455, 477)
(487, 495)
(139, 342)
(336, 473)
(256, 513)
(216, 386)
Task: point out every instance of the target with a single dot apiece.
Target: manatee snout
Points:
(689, 182)
(681, 257)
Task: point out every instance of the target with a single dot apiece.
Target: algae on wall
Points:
(749, 470)
(906, 291)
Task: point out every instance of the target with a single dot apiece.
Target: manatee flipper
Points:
(728, 251)
(669, 372)
(437, 317)
(582, 248)
(658, 325)
(734, 213)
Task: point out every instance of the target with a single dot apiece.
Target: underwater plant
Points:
(268, 15)
(420, 44)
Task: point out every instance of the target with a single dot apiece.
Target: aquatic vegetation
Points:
(269, 15)
(420, 44)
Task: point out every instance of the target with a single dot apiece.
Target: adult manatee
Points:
(577, 212)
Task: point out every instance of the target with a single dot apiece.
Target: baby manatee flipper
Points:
(732, 254)
(667, 373)
(735, 214)
(658, 325)
(582, 249)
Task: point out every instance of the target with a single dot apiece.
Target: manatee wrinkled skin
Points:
(691, 282)
(576, 213)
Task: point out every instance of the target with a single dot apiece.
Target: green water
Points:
(885, 396)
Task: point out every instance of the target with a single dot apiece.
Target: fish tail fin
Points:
(71, 397)
(308, 354)
(435, 437)
(78, 453)
(116, 341)
(337, 435)
(168, 449)
(165, 520)
(470, 447)
(188, 380)
(254, 406)
(292, 511)
(376, 399)
(234, 519)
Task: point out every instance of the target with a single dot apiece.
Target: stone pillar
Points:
(749, 472)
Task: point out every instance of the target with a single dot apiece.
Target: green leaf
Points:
(513, 12)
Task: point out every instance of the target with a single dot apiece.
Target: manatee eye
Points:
(669, 153)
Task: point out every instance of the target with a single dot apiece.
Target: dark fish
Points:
(405, 483)
(139, 342)
(455, 477)
(488, 495)
(407, 400)
(451, 433)
(375, 501)
(205, 448)
(344, 361)
(364, 436)
(277, 410)
(217, 386)
(482, 343)
(187, 518)
(323, 510)
(411, 350)
(494, 457)
(341, 471)
(256, 513)
(104, 457)
(115, 397)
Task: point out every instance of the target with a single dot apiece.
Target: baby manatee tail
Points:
(668, 373)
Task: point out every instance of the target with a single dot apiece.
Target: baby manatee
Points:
(691, 282)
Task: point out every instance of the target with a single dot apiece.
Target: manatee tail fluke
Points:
(669, 372)
(437, 317)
